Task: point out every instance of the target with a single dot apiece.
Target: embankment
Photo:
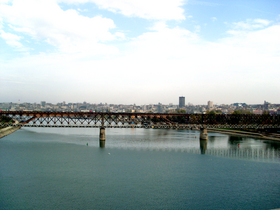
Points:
(273, 137)
(8, 130)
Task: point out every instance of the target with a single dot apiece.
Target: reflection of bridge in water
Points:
(253, 154)
(140, 120)
(242, 153)
(239, 152)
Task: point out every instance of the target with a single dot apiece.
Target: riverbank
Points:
(8, 130)
(273, 137)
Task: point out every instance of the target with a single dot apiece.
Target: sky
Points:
(140, 51)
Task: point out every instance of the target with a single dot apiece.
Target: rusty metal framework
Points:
(139, 120)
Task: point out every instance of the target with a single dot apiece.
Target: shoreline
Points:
(8, 130)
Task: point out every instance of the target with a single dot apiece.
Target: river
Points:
(64, 168)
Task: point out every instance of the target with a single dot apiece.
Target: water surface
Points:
(53, 168)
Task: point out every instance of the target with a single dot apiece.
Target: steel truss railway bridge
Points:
(104, 120)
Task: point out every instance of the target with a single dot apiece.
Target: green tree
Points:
(241, 111)
(214, 112)
(5, 119)
(181, 111)
(265, 112)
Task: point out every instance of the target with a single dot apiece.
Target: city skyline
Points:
(141, 52)
(102, 102)
(45, 106)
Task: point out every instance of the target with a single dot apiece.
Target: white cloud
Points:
(82, 10)
(159, 63)
(213, 19)
(5, 1)
(262, 22)
(158, 26)
(66, 30)
(265, 42)
(164, 42)
(12, 40)
(197, 28)
(153, 65)
(251, 24)
(148, 9)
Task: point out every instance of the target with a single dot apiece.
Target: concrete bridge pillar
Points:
(203, 146)
(102, 144)
(203, 134)
(102, 137)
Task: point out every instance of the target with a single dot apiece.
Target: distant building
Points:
(144, 108)
(43, 103)
(210, 105)
(265, 105)
(160, 108)
(257, 111)
(181, 102)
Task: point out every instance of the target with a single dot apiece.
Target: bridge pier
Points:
(203, 134)
(102, 144)
(102, 137)
(203, 145)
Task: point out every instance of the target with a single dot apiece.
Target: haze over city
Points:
(141, 52)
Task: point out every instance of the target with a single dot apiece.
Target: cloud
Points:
(265, 41)
(5, 1)
(13, 40)
(163, 42)
(251, 24)
(157, 63)
(197, 28)
(164, 60)
(213, 19)
(204, 3)
(147, 9)
(66, 30)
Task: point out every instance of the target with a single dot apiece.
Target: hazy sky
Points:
(140, 51)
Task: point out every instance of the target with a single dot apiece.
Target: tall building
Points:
(43, 103)
(160, 108)
(265, 105)
(210, 105)
(181, 102)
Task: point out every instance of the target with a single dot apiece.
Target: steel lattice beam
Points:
(143, 120)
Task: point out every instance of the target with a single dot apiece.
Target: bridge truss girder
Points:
(139, 120)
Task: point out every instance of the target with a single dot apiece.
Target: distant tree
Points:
(5, 119)
(181, 111)
(265, 112)
(241, 111)
(210, 112)
(214, 112)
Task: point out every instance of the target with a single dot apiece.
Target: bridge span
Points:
(104, 120)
